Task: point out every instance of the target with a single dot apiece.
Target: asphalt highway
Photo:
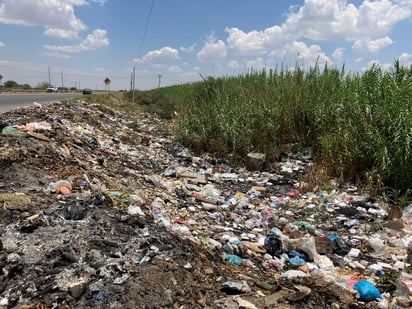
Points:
(13, 101)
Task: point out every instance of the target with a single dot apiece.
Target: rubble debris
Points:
(98, 210)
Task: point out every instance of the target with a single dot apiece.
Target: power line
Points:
(145, 29)
(140, 48)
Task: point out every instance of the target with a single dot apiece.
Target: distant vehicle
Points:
(87, 91)
(51, 89)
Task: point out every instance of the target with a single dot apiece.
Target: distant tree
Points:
(26, 86)
(107, 82)
(42, 85)
(10, 84)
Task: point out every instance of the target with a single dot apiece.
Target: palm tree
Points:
(107, 82)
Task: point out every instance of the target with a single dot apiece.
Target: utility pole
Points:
(133, 83)
(62, 80)
(159, 76)
(49, 75)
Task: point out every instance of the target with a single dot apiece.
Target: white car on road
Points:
(51, 89)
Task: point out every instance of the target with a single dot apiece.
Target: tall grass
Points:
(163, 101)
(359, 126)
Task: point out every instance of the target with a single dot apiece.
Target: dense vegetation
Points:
(13, 86)
(358, 126)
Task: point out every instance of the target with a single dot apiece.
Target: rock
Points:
(302, 292)
(75, 210)
(245, 304)
(76, 290)
(395, 212)
(274, 298)
(255, 161)
(394, 225)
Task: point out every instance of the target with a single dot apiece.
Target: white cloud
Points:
(256, 64)
(2, 44)
(254, 42)
(60, 33)
(367, 25)
(405, 59)
(160, 56)
(56, 16)
(174, 69)
(99, 70)
(233, 64)
(213, 51)
(101, 2)
(97, 39)
(377, 18)
(309, 55)
(188, 49)
(372, 46)
(56, 54)
(338, 19)
(338, 53)
(383, 66)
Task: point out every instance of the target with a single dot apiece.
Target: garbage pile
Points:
(101, 211)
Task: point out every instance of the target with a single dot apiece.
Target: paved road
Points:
(12, 101)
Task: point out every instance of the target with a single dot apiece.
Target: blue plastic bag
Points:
(367, 291)
(234, 259)
(297, 261)
(98, 294)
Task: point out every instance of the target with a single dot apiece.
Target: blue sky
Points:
(81, 42)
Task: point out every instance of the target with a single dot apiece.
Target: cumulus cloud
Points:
(405, 59)
(57, 16)
(334, 19)
(383, 66)
(160, 56)
(61, 33)
(308, 55)
(213, 51)
(338, 53)
(53, 15)
(233, 64)
(101, 2)
(254, 42)
(97, 39)
(57, 55)
(188, 49)
(369, 45)
(367, 25)
(174, 69)
(256, 64)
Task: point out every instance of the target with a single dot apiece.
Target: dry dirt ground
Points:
(88, 249)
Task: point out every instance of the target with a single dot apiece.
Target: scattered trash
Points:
(273, 244)
(240, 287)
(98, 295)
(367, 291)
(98, 210)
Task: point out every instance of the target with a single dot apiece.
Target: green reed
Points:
(358, 126)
